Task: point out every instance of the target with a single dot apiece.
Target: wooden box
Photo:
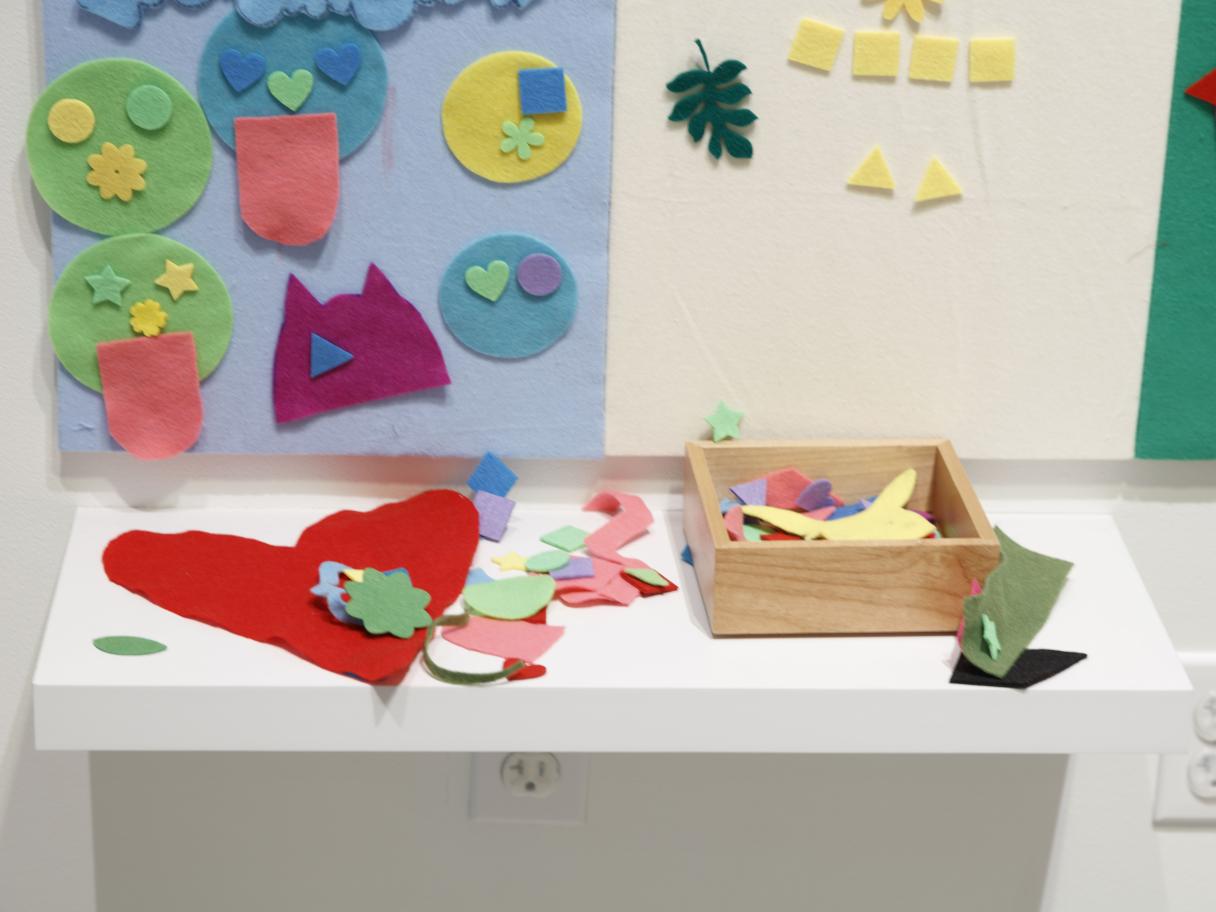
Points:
(823, 587)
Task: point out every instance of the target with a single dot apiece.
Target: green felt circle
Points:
(178, 154)
(77, 324)
(149, 107)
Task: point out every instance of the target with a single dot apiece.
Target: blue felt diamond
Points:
(542, 91)
(493, 476)
(325, 356)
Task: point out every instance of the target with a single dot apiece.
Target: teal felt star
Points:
(107, 286)
(991, 641)
(725, 423)
(388, 603)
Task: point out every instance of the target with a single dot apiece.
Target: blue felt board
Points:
(516, 325)
(493, 476)
(406, 205)
(542, 91)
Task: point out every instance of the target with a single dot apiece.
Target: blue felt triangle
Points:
(325, 356)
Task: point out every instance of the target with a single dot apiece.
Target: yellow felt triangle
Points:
(938, 183)
(873, 172)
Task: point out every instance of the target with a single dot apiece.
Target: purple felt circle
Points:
(539, 274)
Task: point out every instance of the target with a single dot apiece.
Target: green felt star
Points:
(107, 286)
(388, 603)
(991, 641)
(725, 423)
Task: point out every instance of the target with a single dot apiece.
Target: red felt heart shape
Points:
(261, 591)
(527, 673)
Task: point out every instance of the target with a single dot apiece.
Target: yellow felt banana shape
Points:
(884, 520)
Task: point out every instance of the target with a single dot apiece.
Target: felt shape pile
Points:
(786, 504)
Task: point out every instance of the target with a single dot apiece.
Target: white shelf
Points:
(647, 678)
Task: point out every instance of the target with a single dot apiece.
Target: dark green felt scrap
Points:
(1178, 389)
(1018, 596)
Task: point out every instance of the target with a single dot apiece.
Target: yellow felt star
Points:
(512, 561)
(914, 8)
(178, 279)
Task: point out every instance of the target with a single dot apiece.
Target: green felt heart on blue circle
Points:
(489, 282)
(290, 91)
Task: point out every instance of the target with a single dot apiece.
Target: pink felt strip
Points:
(150, 387)
(631, 521)
(288, 177)
(734, 523)
(604, 588)
(505, 639)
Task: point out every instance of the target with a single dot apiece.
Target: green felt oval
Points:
(128, 645)
(547, 561)
(178, 154)
(511, 599)
(77, 324)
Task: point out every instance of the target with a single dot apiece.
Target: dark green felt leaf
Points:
(1018, 597)
(710, 106)
(128, 645)
(728, 70)
(686, 81)
(732, 94)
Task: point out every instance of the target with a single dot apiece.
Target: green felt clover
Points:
(522, 138)
(388, 603)
(714, 94)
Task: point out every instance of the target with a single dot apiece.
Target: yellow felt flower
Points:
(914, 8)
(147, 318)
(116, 172)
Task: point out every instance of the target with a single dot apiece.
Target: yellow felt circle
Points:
(485, 95)
(70, 120)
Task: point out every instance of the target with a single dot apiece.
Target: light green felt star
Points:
(725, 423)
(388, 603)
(107, 286)
(991, 641)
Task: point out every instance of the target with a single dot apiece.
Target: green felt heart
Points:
(489, 283)
(290, 91)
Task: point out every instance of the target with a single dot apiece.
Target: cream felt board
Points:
(1011, 320)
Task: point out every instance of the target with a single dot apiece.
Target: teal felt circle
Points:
(516, 325)
(292, 45)
(149, 107)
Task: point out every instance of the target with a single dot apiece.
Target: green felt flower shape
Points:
(521, 138)
(388, 603)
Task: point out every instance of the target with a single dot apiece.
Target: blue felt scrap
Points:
(851, 509)
(726, 503)
(324, 356)
(542, 91)
(330, 588)
(477, 575)
(686, 555)
(575, 568)
(494, 513)
(289, 46)
(377, 15)
(341, 64)
(493, 476)
(752, 493)
(242, 70)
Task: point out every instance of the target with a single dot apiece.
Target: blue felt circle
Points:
(289, 46)
(516, 325)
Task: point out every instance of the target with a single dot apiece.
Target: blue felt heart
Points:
(242, 70)
(341, 64)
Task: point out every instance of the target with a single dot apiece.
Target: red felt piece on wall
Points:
(261, 591)
(1204, 89)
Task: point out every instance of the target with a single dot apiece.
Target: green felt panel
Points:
(177, 153)
(77, 324)
(129, 645)
(1018, 597)
(1178, 391)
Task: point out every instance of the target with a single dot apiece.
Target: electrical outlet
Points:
(529, 788)
(1186, 783)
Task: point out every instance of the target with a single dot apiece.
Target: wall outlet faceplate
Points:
(1186, 783)
(529, 788)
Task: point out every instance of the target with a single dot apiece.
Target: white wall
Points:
(1106, 854)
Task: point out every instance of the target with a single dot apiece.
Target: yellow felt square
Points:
(816, 44)
(876, 53)
(933, 58)
(992, 59)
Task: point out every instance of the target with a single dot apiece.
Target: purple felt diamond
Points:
(494, 512)
(576, 568)
(815, 495)
(752, 493)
